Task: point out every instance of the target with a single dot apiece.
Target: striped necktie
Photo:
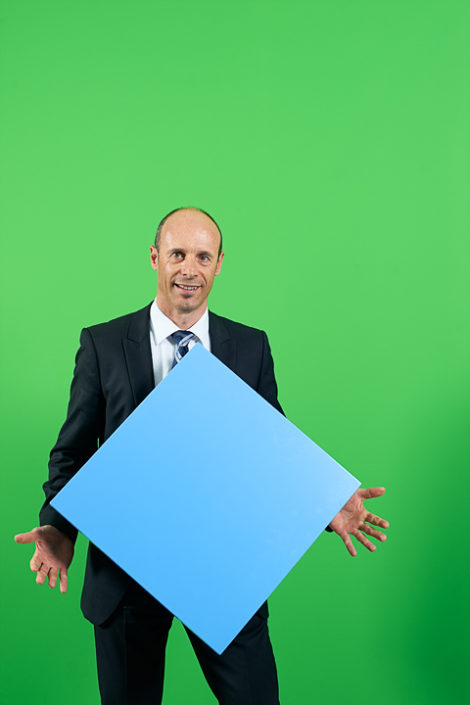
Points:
(181, 338)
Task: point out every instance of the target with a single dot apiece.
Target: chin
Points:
(187, 306)
(190, 300)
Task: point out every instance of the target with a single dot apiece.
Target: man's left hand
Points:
(351, 521)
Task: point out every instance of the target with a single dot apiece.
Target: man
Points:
(117, 365)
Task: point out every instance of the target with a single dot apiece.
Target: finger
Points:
(63, 580)
(28, 537)
(370, 492)
(42, 574)
(378, 521)
(35, 562)
(349, 544)
(373, 532)
(53, 572)
(362, 539)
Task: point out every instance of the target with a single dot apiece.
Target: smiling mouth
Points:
(185, 287)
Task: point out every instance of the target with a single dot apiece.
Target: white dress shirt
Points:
(163, 348)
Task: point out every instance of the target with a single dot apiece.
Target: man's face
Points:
(187, 262)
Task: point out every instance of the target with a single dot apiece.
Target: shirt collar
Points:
(161, 326)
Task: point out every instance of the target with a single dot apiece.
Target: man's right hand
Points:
(54, 553)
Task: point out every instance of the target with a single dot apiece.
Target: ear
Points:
(219, 263)
(154, 257)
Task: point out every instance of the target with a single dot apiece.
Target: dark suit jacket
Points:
(113, 374)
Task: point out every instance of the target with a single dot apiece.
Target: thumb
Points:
(370, 492)
(28, 537)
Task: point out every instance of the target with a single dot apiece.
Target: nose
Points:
(188, 267)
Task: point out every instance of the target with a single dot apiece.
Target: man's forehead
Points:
(190, 230)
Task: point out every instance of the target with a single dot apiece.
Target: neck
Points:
(182, 319)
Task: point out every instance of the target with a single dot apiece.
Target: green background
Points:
(331, 141)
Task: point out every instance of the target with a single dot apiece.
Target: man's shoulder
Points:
(233, 328)
(135, 322)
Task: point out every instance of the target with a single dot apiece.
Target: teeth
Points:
(187, 288)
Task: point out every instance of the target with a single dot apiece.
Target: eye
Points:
(204, 258)
(177, 254)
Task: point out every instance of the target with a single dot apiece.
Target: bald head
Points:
(188, 219)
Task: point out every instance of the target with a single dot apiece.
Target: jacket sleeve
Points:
(78, 437)
(267, 386)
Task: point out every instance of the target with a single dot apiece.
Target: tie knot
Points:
(182, 337)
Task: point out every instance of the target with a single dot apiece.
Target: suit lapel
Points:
(138, 355)
(222, 345)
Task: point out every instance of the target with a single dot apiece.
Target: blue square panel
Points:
(207, 496)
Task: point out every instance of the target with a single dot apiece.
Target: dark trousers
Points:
(130, 650)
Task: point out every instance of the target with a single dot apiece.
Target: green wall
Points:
(331, 141)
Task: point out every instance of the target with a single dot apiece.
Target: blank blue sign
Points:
(222, 495)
